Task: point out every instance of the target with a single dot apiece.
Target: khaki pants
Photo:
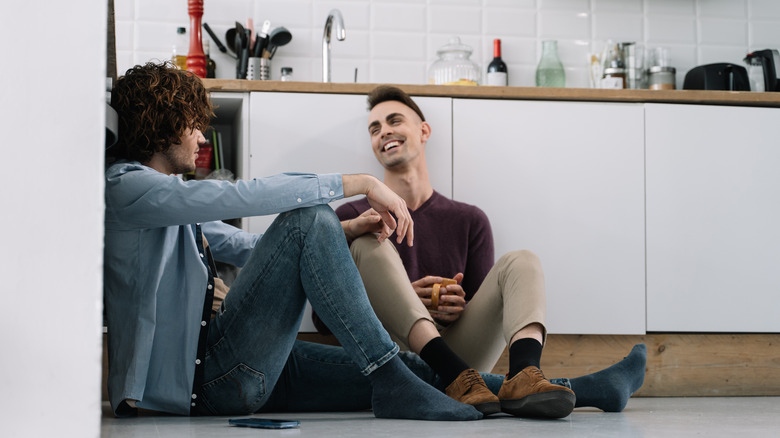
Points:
(511, 297)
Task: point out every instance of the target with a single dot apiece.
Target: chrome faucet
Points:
(334, 19)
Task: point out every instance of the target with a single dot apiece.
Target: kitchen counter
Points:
(699, 97)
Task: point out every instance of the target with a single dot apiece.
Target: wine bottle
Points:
(211, 65)
(496, 71)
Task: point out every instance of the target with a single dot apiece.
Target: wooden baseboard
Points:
(678, 365)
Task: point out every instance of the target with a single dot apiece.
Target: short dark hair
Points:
(157, 104)
(385, 93)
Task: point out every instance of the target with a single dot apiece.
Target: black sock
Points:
(523, 353)
(445, 362)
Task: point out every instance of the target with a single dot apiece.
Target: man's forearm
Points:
(357, 184)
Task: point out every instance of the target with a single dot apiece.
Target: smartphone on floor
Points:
(264, 423)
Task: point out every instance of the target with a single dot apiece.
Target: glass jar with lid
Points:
(453, 66)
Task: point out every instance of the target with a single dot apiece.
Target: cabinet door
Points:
(566, 181)
(713, 219)
(328, 133)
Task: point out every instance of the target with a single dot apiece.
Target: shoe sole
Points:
(551, 404)
(488, 408)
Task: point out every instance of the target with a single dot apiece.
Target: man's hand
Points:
(384, 201)
(452, 298)
(368, 222)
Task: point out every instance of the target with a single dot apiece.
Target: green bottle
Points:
(550, 72)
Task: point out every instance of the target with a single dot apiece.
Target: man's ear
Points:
(426, 131)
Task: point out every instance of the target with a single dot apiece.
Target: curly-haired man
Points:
(170, 348)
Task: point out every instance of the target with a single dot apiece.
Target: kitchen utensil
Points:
(230, 40)
(245, 52)
(250, 24)
(718, 76)
(762, 69)
(214, 37)
(262, 39)
(241, 47)
(278, 37)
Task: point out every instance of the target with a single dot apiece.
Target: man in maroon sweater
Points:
(506, 301)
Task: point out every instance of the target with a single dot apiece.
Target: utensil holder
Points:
(259, 69)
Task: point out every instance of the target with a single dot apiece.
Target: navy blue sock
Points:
(438, 355)
(524, 352)
(398, 393)
(610, 388)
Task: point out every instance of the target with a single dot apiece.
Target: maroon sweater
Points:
(449, 237)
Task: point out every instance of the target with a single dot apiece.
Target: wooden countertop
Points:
(699, 97)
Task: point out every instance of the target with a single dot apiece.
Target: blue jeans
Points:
(251, 343)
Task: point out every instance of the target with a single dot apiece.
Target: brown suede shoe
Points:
(469, 388)
(530, 394)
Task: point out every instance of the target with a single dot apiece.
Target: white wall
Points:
(396, 41)
(51, 193)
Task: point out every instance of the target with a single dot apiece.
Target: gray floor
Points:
(643, 417)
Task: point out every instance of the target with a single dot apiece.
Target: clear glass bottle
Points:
(180, 49)
(549, 72)
(454, 66)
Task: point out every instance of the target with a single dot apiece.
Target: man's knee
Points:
(366, 247)
(322, 215)
(521, 259)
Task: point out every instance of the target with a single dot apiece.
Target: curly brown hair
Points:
(157, 104)
(384, 93)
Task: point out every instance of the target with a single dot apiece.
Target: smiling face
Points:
(398, 135)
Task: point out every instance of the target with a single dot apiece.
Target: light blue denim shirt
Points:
(154, 279)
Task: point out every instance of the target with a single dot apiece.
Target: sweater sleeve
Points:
(481, 253)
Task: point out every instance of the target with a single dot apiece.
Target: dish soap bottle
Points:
(550, 72)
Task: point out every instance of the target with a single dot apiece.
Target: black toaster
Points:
(718, 76)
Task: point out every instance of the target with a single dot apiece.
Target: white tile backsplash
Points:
(764, 9)
(509, 22)
(723, 8)
(398, 17)
(456, 20)
(628, 6)
(396, 40)
(618, 27)
(723, 31)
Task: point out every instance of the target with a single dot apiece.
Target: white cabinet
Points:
(565, 180)
(713, 218)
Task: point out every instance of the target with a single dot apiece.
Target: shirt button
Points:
(194, 396)
(203, 323)
(197, 362)
(201, 255)
(211, 287)
(332, 193)
(300, 200)
(192, 404)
